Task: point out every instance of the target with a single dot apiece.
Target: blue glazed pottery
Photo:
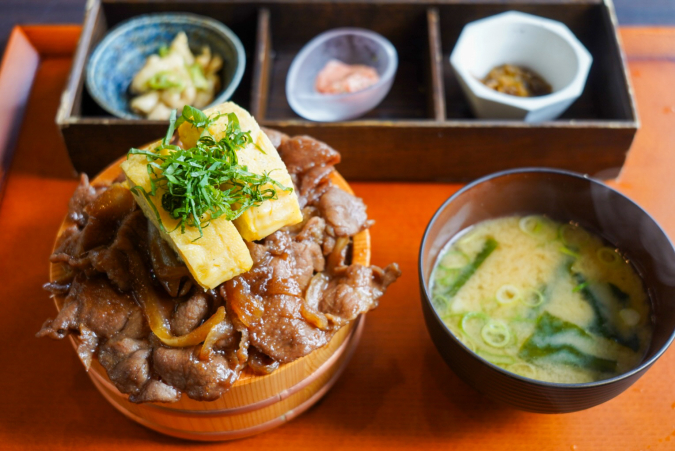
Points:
(122, 53)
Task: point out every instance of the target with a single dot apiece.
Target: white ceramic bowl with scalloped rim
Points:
(545, 46)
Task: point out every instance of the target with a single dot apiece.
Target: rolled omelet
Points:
(256, 222)
(219, 255)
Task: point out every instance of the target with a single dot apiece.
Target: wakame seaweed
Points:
(602, 324)
(545, 344)
(621, 295)
(468, 270)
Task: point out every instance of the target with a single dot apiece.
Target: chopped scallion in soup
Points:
(542, 299)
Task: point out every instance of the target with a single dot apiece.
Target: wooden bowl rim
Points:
(212, 436)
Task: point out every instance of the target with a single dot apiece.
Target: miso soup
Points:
(543, 299)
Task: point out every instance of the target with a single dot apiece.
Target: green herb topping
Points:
(205, 182)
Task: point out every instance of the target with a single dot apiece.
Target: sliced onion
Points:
(309, 307)
(151, 304)
(507, 294)
(158, 327)
(336, 259)
(496, 334)
(216, 333)
(317, 285)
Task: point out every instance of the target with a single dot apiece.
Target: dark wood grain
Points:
(263, 64)
(465, 150)
(436, 64)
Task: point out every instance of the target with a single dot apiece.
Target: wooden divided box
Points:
(424, 129)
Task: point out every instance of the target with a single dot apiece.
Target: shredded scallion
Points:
(573, 235)
(496, 334)
(464, 324)
(532, 298)
(507, 294)
(567, 251)
(497, 359)
(524, 369)
(205, 182)
(608, 256)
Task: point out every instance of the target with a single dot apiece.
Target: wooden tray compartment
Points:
(605, 97)
(93, 137)
(423, 130)
(293, 25)
(242, 19)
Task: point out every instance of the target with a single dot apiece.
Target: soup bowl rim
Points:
(426, 299)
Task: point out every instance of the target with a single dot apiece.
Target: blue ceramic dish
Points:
(122, 53)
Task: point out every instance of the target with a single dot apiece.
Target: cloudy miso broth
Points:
(543, 299)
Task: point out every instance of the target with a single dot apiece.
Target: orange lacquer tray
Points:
(396, 393)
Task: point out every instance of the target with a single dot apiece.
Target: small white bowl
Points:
(351, 46)
(545, 46)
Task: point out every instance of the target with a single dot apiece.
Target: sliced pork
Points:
(120, 277)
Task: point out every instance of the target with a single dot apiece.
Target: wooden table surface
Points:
(396, 393)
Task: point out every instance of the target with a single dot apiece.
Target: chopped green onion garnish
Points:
(163, 50)
(567, 251)
(454, 260)
(524, 369)
(608, 256)
(464, 324)
(497, 359)
(579, 287)
(537, 226)
(573, 235)
(507, 294)
(531, 225)
(205, 182)
(532, 298)
(496, 334)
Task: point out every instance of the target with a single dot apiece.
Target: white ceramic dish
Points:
(545, 46)
(351, 46)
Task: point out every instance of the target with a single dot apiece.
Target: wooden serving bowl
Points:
(254, 403)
